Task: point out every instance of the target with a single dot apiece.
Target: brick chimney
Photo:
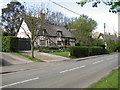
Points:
(68, 28)
(42, 16)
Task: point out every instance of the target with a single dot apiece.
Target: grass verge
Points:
(33, 59)
(65, 53)
(110, 81)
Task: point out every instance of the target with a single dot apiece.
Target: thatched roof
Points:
(51, 30)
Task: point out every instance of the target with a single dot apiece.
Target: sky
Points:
(100, 14)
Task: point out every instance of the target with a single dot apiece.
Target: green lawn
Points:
(33, 59)
(110, 81)
(65, 53)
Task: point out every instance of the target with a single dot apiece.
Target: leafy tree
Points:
(5, 33)
(118, 45)
(114, 4)
(84, 27)
(111, 45)
(98, 42)
(11, 17)
(1, 31)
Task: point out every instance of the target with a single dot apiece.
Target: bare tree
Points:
(57, 18)
(35, 21)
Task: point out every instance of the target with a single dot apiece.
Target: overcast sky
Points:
(100, 14)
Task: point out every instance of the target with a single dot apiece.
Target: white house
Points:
(52, 35)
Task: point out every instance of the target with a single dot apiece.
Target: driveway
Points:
(45, 56)
(11, 59)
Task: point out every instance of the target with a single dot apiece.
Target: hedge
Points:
(82, 51)
(9, 44)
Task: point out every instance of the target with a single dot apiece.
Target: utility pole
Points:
(104, 29)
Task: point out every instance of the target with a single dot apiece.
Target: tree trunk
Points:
(32, 50)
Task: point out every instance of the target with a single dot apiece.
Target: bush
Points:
(41, 48)
(98, 42)
(95, 50)
(82, 51)
(112, 46)
(5, 34)
(78, 51)
(9, 44)
(53, 47)
(46, 51)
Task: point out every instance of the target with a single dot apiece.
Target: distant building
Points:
(105, 37)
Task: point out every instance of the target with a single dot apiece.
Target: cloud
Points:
(1, 0)
(2, 5)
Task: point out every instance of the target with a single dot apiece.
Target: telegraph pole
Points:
(104, 29)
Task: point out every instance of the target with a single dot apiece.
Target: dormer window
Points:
(44, 32)
(59, 33)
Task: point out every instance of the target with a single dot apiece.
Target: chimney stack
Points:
(42, 16)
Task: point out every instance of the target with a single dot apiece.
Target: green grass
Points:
(65, 53)
(110, 81)
(33, 59)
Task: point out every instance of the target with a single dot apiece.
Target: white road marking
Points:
(19, 82)
(72, 69)
(98, 62)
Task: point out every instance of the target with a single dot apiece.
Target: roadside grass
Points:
(33, 59)
(110, 81)
(65, 53)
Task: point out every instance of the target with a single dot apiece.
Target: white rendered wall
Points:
(24, 31)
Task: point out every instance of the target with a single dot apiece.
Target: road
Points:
(65, 74)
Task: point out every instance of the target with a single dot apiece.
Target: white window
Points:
(42, 42)
(58, 42)
(59, 33)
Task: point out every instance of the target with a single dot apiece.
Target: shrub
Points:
(112, 46)
(58, 50)
(46, 51)
(98, 42)
(78, 51)
(53, 47)
(82, 51)
(9, 43)
(5, 34)
(95, 50)
(42, 48)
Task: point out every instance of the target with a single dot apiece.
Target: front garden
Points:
(74, 51)
(62, 51)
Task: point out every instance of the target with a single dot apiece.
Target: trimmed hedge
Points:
(9, 44)
(78, 51)
(95, 50)
(82, 51)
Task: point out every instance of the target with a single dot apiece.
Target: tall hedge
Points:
(9, 43)
(82, 51)
(78, 51)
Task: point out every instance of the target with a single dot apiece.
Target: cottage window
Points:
(42, 42)
(58, 42)
(67, 42)
(59, 33)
